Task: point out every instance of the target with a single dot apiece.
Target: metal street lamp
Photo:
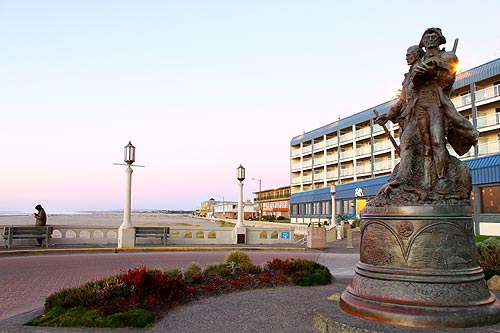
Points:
(240, 175)
(260, 197)
(126, 232)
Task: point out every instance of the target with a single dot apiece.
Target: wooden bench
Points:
(26, 232)
(153, 232)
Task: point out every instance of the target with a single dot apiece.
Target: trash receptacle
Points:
(316, 236)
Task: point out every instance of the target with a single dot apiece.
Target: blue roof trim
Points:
(478, 73)
(321, 194)
(340, 124)
(370, 187)
(463, 79)
(485, 170)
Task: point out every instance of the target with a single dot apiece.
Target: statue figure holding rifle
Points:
(427, 121)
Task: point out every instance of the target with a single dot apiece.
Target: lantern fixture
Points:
(129, 156)
(240, 173)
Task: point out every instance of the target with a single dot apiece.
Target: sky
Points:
(199, 87)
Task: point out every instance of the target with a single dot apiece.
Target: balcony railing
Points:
(307, 164)
(363, 132)
(489, 120)
(346, 137)
(331, 174)
(365, 168)
(319, 176)
(380, 146)
(306, 179)
(460, 101)
(363, 151)
(319, 161)
(487, 93)
(382, 166)
(345, 154)
(481, 95)
(377, 129)
(306, 150)
(319, 145)
(295, 153)
(331, 158)
(346, 172)
(331, 142)
(491, 147)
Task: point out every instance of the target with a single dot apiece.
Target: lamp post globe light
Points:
(126, 232)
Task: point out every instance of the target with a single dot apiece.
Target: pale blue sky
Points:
(198, 87)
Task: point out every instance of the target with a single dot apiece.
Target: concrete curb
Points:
(325, 324)
(151, 249)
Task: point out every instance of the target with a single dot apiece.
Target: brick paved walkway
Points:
(28, 280)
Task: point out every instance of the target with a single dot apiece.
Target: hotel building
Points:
(336, 168)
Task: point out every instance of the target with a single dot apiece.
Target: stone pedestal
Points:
(316, 237)
(418, 267)
(126, 237)
(239, 235)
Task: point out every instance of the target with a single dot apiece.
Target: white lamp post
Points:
(240, 231)
(126, 232)
(240, 175)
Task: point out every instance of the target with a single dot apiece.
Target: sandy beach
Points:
(109, 219)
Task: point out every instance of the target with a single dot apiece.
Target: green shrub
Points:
(239, 259)
(218, 270)
(303, 272)
(174, 273)
(87, 295)
(489, 256)
(194, 273)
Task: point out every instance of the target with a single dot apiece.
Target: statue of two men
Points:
(427, 120)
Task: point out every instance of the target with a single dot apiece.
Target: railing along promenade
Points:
(257, 233)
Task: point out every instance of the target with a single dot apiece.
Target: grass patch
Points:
(482, 238)
(82, 317)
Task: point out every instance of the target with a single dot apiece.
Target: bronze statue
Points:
(427, 120)
(418, 263)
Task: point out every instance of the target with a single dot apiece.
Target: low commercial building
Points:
(273, 203)
(229, 210)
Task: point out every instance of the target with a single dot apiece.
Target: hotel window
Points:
(308, 209)
(490, 200)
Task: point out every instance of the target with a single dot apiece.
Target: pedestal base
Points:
(126, 237)
(418, 267)
(239, 235)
